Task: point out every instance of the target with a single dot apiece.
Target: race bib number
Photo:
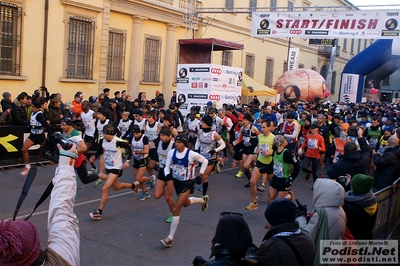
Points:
(312, 143)
(289, 140)
(205, 151)
(179, 172)
(161, 160)
(373, 142)
(278, 169)
(109, 158)
(263, 147)
(246, 141)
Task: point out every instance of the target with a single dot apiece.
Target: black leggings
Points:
(83, 175)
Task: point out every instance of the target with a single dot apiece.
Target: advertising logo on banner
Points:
(349, 88)
(355, 24)
(198, 84)
(293, 57)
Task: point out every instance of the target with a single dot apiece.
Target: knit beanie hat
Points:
(6, 95)
(182, 138)
(248, 117)
(280, 211)
(19, 243)
(165, 131)
(361, 184)
(207, 120)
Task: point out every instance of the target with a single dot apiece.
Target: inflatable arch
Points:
(379, 60)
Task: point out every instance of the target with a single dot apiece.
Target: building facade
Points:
(88, 45)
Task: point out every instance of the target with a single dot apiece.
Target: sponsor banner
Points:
(12, 139)
(342, 252)
(330, 68)
(199, 83)
(293, 57)
(355, 24)
(396, 47)
(349, 88)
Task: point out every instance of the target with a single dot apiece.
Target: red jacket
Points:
(315, 145)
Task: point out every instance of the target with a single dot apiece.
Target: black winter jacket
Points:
(274, 251)
(361, 214)
(18, 114)
(353, 163)
(387, 167)
(225, 258)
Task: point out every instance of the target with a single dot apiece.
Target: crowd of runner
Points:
(357, 142)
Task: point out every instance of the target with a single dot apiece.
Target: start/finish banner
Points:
(355, 24)
(199, 83)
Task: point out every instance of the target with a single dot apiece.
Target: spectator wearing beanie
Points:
(360, 206)
(94, 103)
(231, 242)
(6, 102)
(283, 237)
(387, 165)
(19, 240)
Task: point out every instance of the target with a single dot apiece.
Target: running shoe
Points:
(247, 185)
(204, 206)
(169, 219)
(152, 182)
(239, 174)
(261, 188)
(145, 195)
(135, 187)
(252, 206)
(95, 215)
(92, 171)
(201, 187)
(217, 169)
(167, 242)
(97, 184)
(25, 171)
(308, 175)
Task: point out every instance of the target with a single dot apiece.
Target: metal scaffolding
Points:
(293, 9)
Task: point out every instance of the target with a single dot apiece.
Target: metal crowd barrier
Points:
(388, 213)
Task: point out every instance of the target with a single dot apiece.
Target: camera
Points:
(352, 132)
(50, 150)
(344, 180)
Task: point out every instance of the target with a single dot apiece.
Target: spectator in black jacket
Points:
(106, 99)
(41, 93)
(6, 102)
(114, 113)
(173, 98)
(352, 162)
(18, 111)
(387, 165)
(160, 100)
(285, 243)
(360, 206)
(231, 243)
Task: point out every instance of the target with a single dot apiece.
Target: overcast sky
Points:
(372, 2)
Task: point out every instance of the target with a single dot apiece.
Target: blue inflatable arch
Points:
(379, 60)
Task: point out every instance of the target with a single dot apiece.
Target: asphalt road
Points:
(130, 230)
